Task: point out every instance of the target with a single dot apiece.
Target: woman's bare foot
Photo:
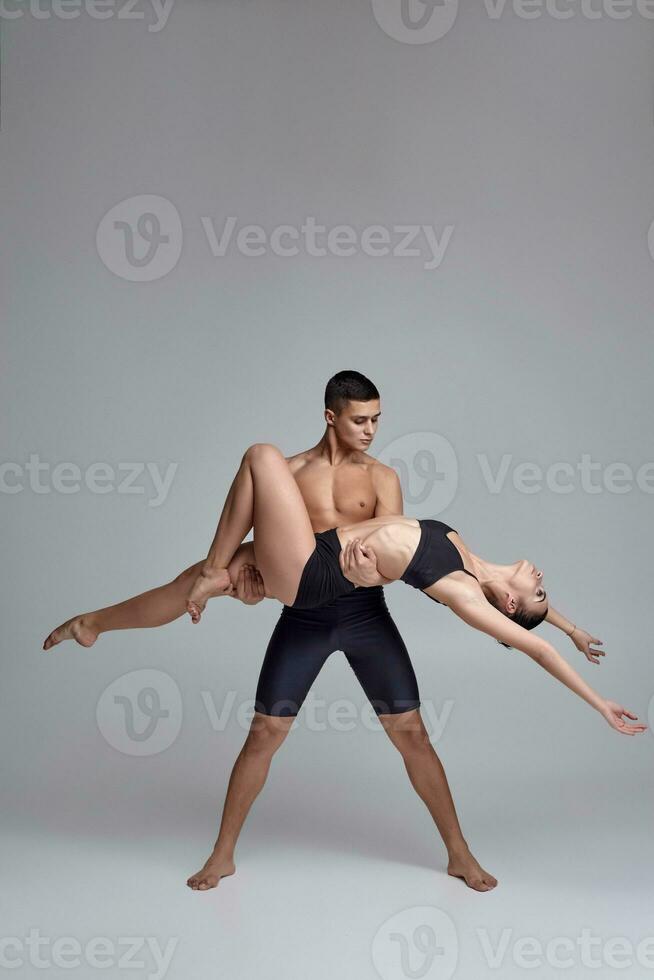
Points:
(209, 583)
(79, 628)
(465, 866)
(208, 876)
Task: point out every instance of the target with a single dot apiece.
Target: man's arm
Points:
(581, 639)
(359, 562)
(359, 565)
(389, 491)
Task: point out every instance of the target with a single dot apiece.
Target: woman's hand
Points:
(614, 714)
(249, 585)
(582, 640)
(359, 564)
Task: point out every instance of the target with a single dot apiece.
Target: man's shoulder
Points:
(382, 473)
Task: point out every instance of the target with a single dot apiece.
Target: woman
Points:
(304, 569)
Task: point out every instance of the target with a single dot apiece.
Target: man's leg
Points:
(300, 643)
(246, 782)
(410, 737)
(378, 656)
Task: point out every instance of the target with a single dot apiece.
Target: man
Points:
(340, 484)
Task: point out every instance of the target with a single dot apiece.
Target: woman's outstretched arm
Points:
(478, 612)
(581, 638)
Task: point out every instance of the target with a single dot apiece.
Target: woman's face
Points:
(527, 582)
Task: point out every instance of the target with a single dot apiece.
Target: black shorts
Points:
(322, 580)
(360, 625)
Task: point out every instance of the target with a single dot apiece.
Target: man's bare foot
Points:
(208, 877)
(465, 866)
(208, 584)
(79, 628)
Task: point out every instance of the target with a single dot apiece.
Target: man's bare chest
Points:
(346, 492)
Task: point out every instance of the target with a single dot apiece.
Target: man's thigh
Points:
(300, 643)
(378, 656)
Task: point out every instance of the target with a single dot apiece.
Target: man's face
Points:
(356, 423)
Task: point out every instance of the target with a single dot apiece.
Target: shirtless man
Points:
(340, 484)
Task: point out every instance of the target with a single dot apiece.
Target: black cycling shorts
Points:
(357, 623)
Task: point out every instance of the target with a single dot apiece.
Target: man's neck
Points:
(329, 448)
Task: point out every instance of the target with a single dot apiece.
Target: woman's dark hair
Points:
(527, 620)
(348, 386)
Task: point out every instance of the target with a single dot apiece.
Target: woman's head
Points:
(520, 595)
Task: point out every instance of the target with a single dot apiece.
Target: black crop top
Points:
(434, 557)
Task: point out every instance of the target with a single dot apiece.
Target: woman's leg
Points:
(168, 602)
(153, 608)
(147, 610)
(265, 496)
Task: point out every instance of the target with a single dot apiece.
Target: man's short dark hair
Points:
(348, 386)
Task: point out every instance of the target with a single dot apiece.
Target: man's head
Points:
(352, 409)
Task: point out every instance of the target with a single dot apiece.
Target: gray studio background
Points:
(531, 138)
